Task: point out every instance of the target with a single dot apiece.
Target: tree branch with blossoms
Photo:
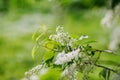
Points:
(67, 56)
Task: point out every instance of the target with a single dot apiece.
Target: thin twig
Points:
(98, 65)
(101, 66)
(47, 47)
(107, 51)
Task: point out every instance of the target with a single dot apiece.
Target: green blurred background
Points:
(20, 18)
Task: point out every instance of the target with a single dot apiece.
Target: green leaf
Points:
(35, 35)
(48, 57)
(34, 50)
(48, 44)
(105, 73)
(39, 37)
(52, 74)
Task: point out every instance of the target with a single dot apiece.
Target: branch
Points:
(108, 51)
(101, 66)
(98, 65)
(48, 48)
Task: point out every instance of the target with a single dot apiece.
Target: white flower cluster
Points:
(106, 21)
(115, 39)
(70, 72)
(62, 37)
(63, 57)
(33, 70)
(111, 17)
(35, 73)
(116, 15)
(82, 37)
(32, 77)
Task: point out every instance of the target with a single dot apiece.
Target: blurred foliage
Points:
(83, 4)
(30, 5)
(8, 5)
(4, 4)
(23, 5)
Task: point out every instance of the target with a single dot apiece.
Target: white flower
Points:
(50, 37)
(65, 72)
(35, 73)
(62, 37)
(33, 77)
(59, 29)
(117, 9)
(63, 57)
(43, 71)
(24, 79)
(33, 70)
(106, 21)
(70, 72)
(71, 41)
(82, 37)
